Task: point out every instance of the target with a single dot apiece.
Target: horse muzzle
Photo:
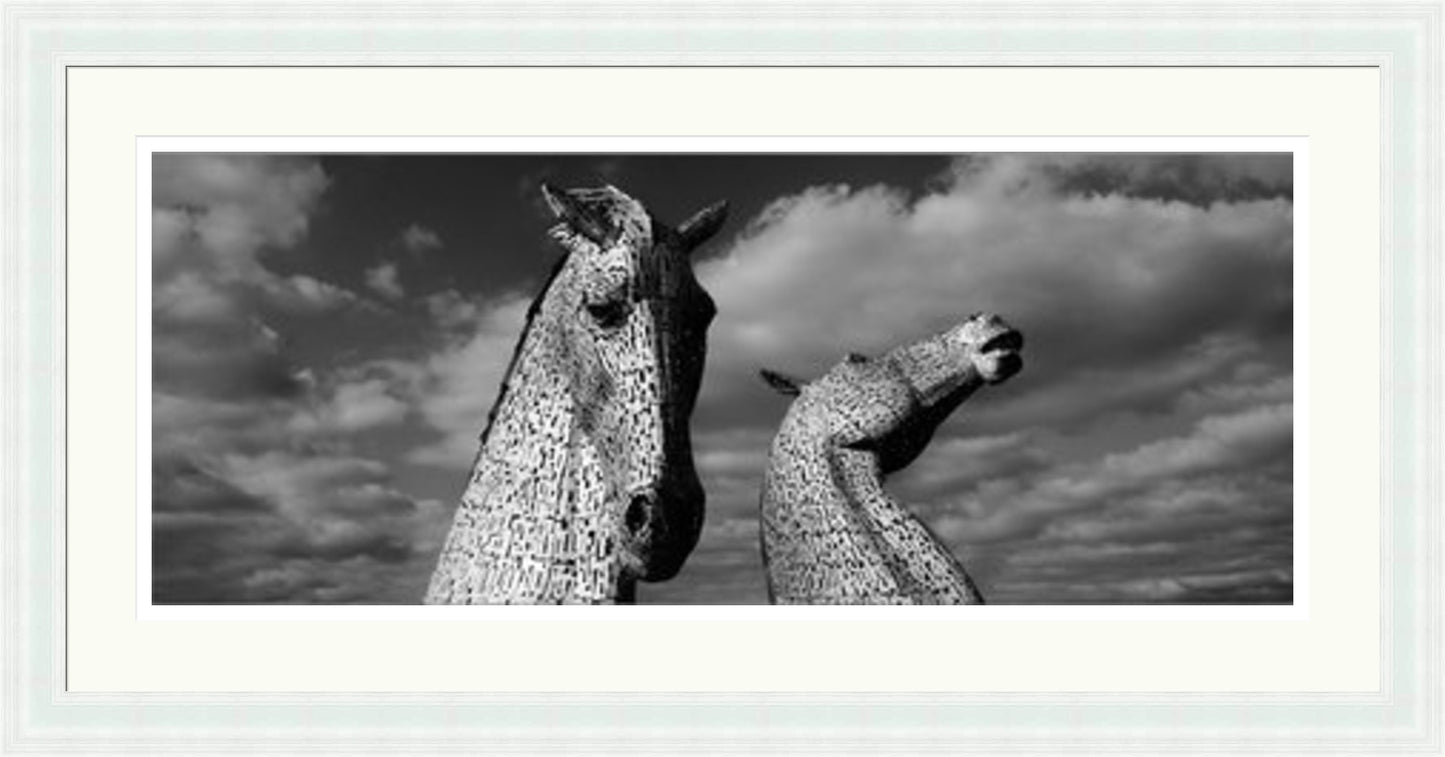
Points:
(998, 359)
(661, 528)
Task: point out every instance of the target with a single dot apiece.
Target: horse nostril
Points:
(636, 514)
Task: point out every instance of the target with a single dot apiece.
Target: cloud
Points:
(305, 295)
(450, 311)
(238, 204)
(417, 239)
(384, 280)
(225, 522)
(258, 492)
(1219, 442)
(245, 485)
(1195, 179)
(256, 558)
(1246, 388)
(189, 297)
(456, 386)
(215, 220)
(225, 360)
(181, 485)
(305, 485)
(350, 408)
(220, 213)
(1013, 508)
(1168, 520)
(954, 462)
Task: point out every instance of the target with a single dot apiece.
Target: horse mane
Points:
(532, 311)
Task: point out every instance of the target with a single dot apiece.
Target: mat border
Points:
(42, 40)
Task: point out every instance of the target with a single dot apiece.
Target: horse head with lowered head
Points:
(584, 483)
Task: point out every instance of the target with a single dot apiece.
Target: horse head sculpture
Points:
(831, 534)
(584, 483)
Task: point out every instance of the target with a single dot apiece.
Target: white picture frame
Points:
(45, 712)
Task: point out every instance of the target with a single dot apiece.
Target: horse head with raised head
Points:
(585, 482)
(831, 534)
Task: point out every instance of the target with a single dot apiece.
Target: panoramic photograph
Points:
(722, 379)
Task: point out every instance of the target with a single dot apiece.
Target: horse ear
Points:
(702, 225)
(572, 213)
(785, 385)
(558, 201)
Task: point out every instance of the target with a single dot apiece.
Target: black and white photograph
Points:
(998, 378)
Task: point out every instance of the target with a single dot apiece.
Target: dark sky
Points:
(329, 332)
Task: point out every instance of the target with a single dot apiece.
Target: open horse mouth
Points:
(1007, 341)
(999, 357)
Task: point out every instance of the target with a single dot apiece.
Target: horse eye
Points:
(609, 314)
